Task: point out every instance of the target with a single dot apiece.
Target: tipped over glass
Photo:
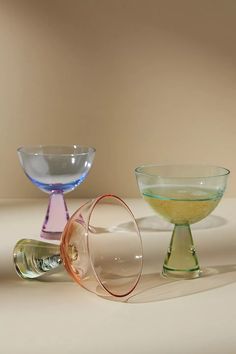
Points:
(183, 195)
(56, 170)
(97, 248)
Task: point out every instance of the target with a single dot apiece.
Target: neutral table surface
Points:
(58, 316)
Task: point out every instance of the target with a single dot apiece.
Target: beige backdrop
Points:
(143, 81)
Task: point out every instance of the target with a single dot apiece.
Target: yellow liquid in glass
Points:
(182, 205)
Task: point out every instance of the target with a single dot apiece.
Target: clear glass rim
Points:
(96, 201)
(141, 171)
(65, 237)
(31, 150)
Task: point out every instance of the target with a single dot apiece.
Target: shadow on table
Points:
(154, 223)
(154, 287)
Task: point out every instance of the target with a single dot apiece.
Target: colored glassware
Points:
(100, 248)
(56, 170)
(183, 195)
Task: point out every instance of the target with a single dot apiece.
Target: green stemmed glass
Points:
(183, 195)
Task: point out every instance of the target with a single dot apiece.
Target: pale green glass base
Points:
(34, 258)
(181, 274)
(181, 260)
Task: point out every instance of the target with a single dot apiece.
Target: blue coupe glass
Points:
(56, 170)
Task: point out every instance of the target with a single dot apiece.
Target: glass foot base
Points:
(181, 274)
(51, 235)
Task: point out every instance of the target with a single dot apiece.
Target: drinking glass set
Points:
(100, 244)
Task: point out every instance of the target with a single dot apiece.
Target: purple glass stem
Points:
(56, 217)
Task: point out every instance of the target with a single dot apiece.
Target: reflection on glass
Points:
(56, 170)
(182, 195)
(100, 256)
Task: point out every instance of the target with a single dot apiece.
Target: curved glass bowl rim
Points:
(23, 150)
(139, 171)
(64, 240)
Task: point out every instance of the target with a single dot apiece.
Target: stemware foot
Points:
(181, 260)
(34, 258)
(181, 274)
